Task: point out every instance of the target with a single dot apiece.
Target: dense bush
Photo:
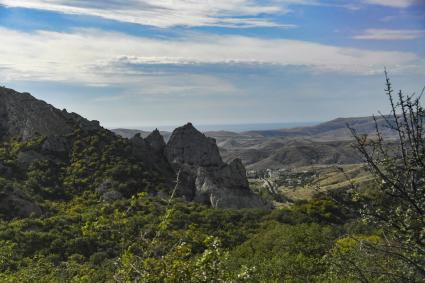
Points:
(80, 237)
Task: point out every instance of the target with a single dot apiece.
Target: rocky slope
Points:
(111, 166)
(26, 117)
(275, 153)
(129, 133)
(203, 176)
(323, 144)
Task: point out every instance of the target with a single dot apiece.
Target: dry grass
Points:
(329, 178)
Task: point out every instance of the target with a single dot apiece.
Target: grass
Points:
(328, 178)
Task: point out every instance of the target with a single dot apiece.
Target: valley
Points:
(224, 141)
(289, 165)
(182, 206)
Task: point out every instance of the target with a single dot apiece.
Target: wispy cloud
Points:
(164, 13)
(393, 3)
(389, 34)
(98, 57)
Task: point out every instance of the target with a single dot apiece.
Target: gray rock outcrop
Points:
(189, 146)
(204, 177)
(150, 152)
(156, 141)
(22, 115)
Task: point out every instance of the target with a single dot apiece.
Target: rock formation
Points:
(156, 141)
(150, 150)
(204, 177)
(22, 115)
(190, 147)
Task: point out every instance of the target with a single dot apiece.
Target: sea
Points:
(237, 128)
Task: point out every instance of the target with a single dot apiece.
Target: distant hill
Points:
(282, 153)
(336, 129)
(129, 133)
(326, 143)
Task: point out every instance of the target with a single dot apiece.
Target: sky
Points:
(144, 63)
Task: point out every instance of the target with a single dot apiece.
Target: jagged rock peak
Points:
(138, 140)
(137, 136)
(205, 178)
(22, 115)
(156, 141)
(189, 146)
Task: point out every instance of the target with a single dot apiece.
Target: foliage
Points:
(290, 253)
(144, 236)
(397, 205)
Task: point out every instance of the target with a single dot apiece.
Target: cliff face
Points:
(22, 115)
(204, 177)
(151, 152)
(190, 147)
(156, 142)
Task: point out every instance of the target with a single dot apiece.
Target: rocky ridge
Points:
(21, 115)
(204, 177)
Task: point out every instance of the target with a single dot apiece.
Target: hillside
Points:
(277, 153)
(26, 117)
(337, 129)
(79, 203)
(37, 135)
(324, 144)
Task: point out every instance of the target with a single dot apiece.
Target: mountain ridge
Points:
(323, 144)
(24, 116)
(111, 166)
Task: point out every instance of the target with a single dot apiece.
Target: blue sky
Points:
(166, 62)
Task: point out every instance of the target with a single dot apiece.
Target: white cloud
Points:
(388, 34)
(392, 3)
(170, 13)
(166, 13)
(101, 58)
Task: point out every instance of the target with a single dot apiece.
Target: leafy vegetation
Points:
(348, 235)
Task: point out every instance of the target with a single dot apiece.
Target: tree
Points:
(397, 205)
